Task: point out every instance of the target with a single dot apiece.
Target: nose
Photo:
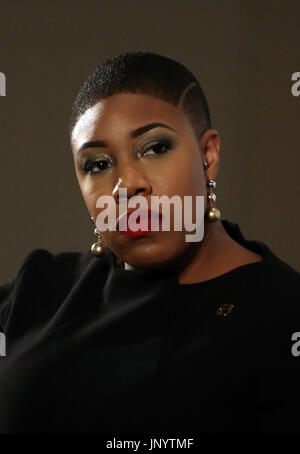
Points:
(134, 181)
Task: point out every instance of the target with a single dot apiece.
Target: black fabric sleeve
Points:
(8, 289)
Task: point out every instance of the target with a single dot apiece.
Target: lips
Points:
(138, 224)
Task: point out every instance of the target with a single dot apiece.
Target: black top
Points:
(95, 348)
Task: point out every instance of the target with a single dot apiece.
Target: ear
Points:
(210, 146)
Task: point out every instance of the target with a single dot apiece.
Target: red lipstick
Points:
(142, 223)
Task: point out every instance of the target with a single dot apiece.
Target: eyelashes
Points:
(90, 165)
(160, 147)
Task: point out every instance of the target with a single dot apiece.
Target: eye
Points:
(159, 148)
(101, 165)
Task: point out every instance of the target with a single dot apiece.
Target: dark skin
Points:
(144, 167)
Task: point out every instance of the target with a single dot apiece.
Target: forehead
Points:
(117, 115)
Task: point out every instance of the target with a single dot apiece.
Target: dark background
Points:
(243, 54)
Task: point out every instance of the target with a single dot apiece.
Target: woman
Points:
(148, 332)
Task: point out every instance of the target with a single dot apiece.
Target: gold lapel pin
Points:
(225, 309)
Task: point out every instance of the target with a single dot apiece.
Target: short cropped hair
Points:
(146, 73)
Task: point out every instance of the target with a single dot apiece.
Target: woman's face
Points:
(159, 161)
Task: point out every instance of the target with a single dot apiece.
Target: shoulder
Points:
(42, 261)
(278, 277)
(270, 300)
(46, 258)
(44, 275)
(273, 272)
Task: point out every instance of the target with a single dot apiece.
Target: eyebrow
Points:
(134, 134)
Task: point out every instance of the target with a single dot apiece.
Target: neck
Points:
(210, 256)
(216, 254)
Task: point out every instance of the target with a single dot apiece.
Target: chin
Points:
(154, 259)
(162, 252)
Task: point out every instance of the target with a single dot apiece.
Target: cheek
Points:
(91, 191)
(181, 177)
(198, 181)
(186, 178)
